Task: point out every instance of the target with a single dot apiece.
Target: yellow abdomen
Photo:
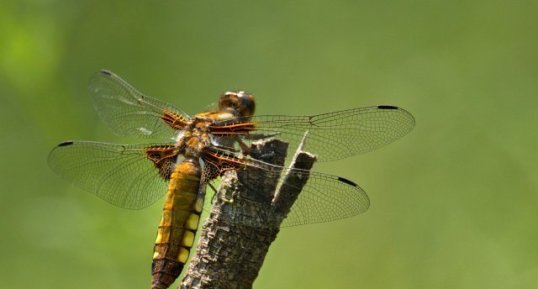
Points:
(178, 225)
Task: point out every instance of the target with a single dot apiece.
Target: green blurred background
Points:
(454, 204)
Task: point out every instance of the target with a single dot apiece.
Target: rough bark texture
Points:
(244, 221)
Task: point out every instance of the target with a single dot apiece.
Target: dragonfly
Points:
(193, 151)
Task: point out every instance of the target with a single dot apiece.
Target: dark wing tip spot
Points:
(106, 72)
(387, 107)
(343, 180)
(65, 143)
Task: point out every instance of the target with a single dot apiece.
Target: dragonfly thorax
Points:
(195, 137)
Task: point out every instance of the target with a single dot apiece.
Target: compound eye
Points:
(239, 103)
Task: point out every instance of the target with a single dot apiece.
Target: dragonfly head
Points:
(239, 103)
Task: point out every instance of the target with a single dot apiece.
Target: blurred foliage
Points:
(453, 204)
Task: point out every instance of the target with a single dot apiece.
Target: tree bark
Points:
(245, 220)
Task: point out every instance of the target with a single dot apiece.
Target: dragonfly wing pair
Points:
(125, 176)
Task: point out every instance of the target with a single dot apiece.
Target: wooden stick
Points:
(244, 220)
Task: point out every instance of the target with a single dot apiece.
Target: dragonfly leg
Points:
(212, 187)
(215, 192)
(245, 149)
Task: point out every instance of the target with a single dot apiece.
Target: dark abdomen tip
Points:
(164, 272)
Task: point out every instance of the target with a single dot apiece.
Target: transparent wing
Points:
(118, 174)
(326, 198)
(335, 135)
(323, 198)
(129, 112)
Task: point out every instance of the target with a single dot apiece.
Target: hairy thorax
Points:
(196, 136)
